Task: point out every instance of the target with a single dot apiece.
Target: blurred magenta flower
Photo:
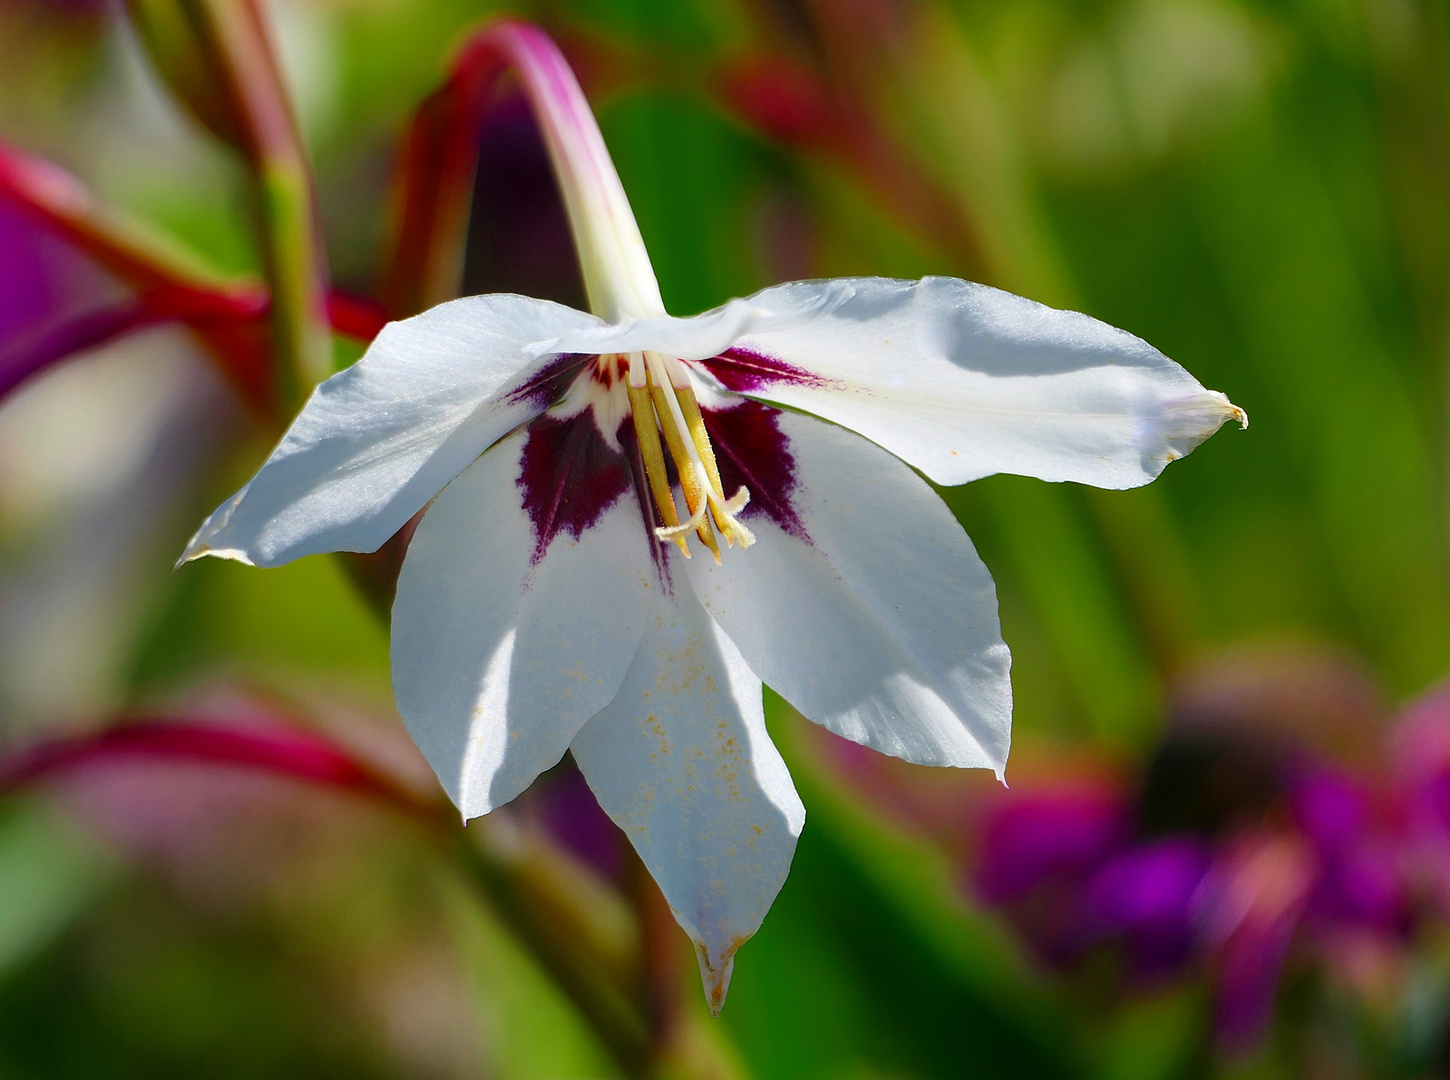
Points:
(1254, 896)
(1063, 863)
(1418, 766)
(549, 602)
(1146, 897)
(98, 277)
(1360, 862)
(1037, 851)
(1244, 847)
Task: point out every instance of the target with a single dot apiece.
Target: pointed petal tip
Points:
(199, 549)
(716, 975)
(1188, 422)
(1226, 410)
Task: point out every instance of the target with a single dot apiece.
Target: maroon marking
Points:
(547, 385)
(746, 371)
(569, 476)
(605, 371)
(752, 451)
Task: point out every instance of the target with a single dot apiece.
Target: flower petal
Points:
(874, 616)
(963, 381)
(500, 654)
(377, 441)
(682, 762)
(711, 333)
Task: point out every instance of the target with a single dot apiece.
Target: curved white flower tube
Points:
(549, 601)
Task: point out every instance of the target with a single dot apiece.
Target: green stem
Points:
(235, 33)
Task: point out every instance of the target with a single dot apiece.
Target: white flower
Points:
(548, 603)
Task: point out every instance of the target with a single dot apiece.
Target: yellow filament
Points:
(695, 422)
(647, 431)
(691, 482)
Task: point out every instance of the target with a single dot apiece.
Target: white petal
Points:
(377, 441)
(682, 762)
(882, 625)
(498, 662)
(708, 334)
(963, 381)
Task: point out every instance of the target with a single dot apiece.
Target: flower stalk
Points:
(228, 314)
(246, 103)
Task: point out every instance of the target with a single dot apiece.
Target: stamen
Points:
(695, 424)
(648, 434)
(693, 481)
(662, 401)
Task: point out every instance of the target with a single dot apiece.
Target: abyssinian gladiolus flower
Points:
(633, 520)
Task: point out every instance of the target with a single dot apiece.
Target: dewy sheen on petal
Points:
(964, 381)
(377, 441)
(704, 335)
(682, 762)
(501, 654)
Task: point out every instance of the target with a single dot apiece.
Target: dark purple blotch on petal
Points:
(752, 452)
(747, 371)
(547, 385)
(569, 477)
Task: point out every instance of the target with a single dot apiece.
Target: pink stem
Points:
(438, 172)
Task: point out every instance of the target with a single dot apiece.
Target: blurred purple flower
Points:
(1253, 899)
(1146, 896)
(1359, 881)
(1419, 775)
(1030, 839)
(518, 233)
(1037, 852)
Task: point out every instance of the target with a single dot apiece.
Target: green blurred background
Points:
(1261, 189)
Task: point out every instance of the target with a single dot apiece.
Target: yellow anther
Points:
(647, 431)
(695, 423)
(663, 402)
(697, 493)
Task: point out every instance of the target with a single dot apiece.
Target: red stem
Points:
(302, 755)
(230, 316)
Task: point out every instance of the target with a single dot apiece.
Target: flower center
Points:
(662, 402)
